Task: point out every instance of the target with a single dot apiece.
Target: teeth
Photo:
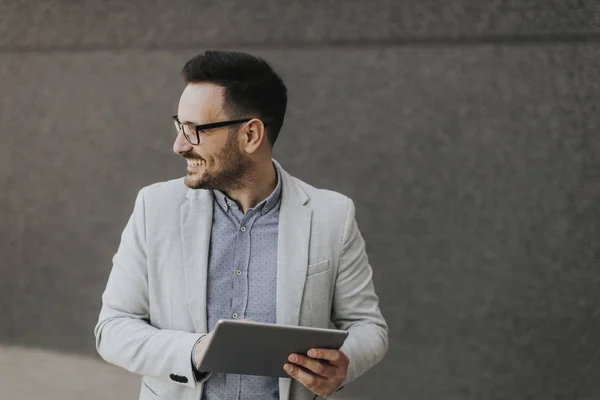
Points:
(195, 163)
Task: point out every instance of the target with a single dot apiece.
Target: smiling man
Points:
(237, 238)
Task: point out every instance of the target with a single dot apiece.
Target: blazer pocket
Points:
(314, 269)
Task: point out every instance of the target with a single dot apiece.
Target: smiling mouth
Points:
(194, 162)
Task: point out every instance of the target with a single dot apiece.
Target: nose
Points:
(181, 145)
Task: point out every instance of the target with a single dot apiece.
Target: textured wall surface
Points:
(181, 23)
(466, 132)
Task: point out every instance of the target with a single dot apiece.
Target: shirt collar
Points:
(223, 201)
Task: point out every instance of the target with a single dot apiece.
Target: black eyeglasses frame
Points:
(205, 127)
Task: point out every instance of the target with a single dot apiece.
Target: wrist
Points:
(198, 351)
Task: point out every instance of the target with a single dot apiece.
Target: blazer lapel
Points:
(292, 252)
(196, 224)
(292, 258)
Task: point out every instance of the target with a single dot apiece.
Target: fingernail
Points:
(288, 368)
(312, 353)
(293, 358)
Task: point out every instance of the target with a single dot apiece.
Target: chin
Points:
(193, 181)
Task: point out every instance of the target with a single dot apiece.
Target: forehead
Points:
(200, 103)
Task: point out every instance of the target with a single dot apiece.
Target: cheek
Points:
(210, 159)
(215, 156)
(218, 152)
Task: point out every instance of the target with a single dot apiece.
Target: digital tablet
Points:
(253, 348)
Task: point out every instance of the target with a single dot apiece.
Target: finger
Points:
(333, 356)
(318, 367)
(311, 381)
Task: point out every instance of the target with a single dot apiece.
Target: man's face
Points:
(217, 162)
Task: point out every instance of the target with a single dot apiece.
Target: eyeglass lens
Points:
(188, 131)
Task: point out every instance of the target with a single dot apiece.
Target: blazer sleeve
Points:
(124, 335)
(355, 304)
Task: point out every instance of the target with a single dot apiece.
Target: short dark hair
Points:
(251, 86)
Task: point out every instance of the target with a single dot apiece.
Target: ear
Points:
(255, 135)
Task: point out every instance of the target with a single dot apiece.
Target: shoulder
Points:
(172, 192)
(333, 213)
(327, 201)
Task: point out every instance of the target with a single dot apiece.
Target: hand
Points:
(324, 372)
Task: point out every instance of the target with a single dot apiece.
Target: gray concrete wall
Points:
(465, 131)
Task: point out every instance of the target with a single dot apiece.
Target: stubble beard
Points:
(232, 175)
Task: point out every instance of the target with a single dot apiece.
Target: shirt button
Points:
(264, 210)
(243, 229)
(238, 272)
(229, 203)
(235, 315)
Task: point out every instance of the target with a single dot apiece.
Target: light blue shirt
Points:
(242, 282)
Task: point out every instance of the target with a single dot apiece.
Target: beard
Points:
(226, 172)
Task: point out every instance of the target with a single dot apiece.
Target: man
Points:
(237, 238)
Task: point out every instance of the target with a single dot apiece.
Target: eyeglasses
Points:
(192, 132)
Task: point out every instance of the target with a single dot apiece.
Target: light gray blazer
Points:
(154, 305)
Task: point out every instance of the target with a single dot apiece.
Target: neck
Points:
(259, 184)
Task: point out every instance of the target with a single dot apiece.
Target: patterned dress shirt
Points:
(242, 282)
